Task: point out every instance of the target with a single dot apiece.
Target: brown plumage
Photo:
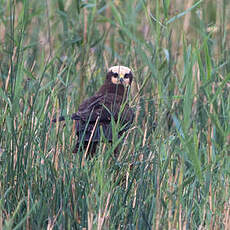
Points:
(96, 113)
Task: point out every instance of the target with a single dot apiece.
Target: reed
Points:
(173, 175)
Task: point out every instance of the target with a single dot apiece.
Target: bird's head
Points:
(120, 75)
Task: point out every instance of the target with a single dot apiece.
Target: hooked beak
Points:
(121, 79)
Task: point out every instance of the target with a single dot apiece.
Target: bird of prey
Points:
(95, 115)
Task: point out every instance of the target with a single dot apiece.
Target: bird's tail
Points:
(61, 118)
(74, 116)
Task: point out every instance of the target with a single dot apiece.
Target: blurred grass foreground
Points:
(55, 53)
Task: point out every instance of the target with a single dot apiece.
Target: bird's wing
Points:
(99, 105)
(89, 109)
(104, 107)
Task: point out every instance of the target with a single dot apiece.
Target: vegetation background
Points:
(54, 53)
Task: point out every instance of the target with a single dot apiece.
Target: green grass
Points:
(53, 54)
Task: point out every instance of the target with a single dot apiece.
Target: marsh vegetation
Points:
(53, 54)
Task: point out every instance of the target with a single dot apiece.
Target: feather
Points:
(94, 115)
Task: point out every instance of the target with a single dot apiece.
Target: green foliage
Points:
(172, 170)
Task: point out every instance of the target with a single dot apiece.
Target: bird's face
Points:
(120, 75)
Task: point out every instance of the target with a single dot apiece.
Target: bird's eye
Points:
(115, 75)
(126, 76)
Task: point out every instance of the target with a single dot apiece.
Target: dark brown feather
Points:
(104, 105)
(95, 114)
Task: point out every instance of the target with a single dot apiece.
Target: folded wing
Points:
(104, 108)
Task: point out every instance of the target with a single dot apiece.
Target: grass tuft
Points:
(172, 171)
